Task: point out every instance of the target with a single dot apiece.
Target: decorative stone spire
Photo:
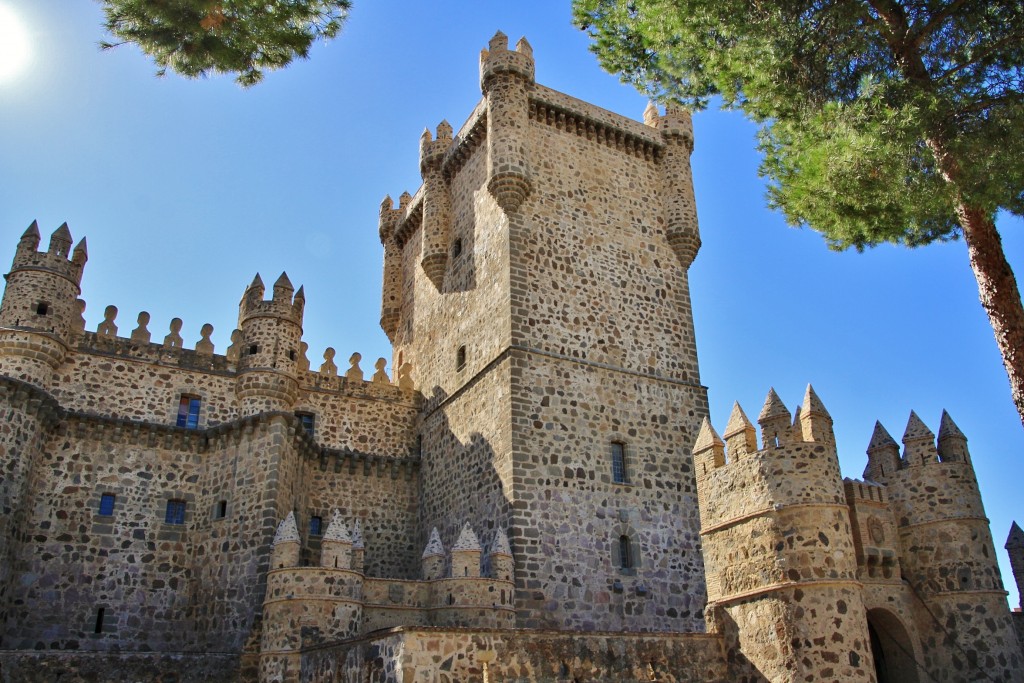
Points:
(952, 442)
(283, 288)
(31, 234)
(467, 540)
(255, 289)
(1015, 548)
(336, 530)
(815, 422)
(60, 240)
(740, 434)
(81, 253)
(501, 546)
(651, 115)
(1016, 537)
(434, 545)
(883, 455)
(287, 531)
(775, 421)
(708, 451)
(918, 442)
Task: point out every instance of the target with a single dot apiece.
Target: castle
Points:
(537, 495)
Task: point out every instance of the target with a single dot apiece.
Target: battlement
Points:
(58, 257)
(497, 59)
(282, 303)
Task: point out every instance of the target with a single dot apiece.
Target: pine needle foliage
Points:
(196, 38)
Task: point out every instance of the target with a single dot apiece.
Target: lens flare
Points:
(14, 45)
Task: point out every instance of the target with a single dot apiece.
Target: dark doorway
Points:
(891, 648)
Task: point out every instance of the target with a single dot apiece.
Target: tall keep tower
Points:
(537, 283)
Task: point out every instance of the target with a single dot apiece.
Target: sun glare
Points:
(14, 46)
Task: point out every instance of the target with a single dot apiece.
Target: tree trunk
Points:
(997, 286)
(997, 289)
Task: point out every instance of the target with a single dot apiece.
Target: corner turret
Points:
(391, 290)
(268, 366)
(676, 128)
(437, 204)
(336, 545)
(40, 311)
(505, 78)
(952, 445)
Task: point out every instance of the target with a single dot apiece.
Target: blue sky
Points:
(186, 188)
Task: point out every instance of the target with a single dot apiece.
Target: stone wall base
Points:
(106, 667)
(438, 655)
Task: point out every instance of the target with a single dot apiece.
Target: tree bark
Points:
(997, 286)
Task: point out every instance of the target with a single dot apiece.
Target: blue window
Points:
(175, 512)
(107, 503)
(619, 473)
(188, 412)
(316, 525)
(308, 421)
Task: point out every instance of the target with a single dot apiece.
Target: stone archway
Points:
(892, 648)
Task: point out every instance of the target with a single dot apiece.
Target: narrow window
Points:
(625, 553)
(308, 421)
(222, 509)
(253, 349)
(99, 620)
(619, 473)
(188, 412)
(42, 308)
(457, 248)
(460, 358)
(175, 513)
(316, 525)
(107, 504)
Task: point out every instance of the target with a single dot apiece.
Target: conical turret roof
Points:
(287, 530)
(434, 545)
(917, 430)
(948, 428)
(467, 539)
(283, 282)
(880, 438)
(336, 530)
(773, 407)
(1016, 537)
(707, 437)
(62, 233)
(812, 404)
(738, 421)
(32, 231)
(501, 546)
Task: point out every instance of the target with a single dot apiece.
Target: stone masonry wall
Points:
(415, 655)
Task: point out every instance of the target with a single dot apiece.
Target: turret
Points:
(948, 556)
(39, 315)
(391, 291)
(775, 421)
(336, 545)
(740, 435)
(505, 78)
(437, 204)
(1015, 549)
(815, 423)
(503, 566)
(466, 554)
(883, 455)
(432, 561)
(268, 366)
(676, 128)
(779, 554)
(285, 552)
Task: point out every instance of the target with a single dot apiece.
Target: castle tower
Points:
(466, 554)
(562, 317)
(40, 305)
(392, 286)
(272, 331)
(1015, 549)
(779, 553)
(948, 556)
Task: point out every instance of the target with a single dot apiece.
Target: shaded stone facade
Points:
(537, 495)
